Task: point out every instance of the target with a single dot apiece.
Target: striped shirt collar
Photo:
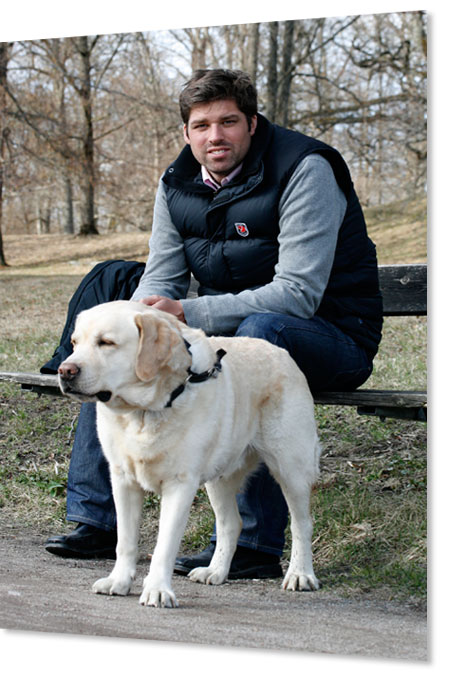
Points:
(208, 179)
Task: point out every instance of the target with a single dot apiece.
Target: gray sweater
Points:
(311, 210)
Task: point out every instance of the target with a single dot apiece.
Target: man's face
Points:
(219, 136)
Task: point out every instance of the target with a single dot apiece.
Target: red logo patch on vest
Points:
(242, 229)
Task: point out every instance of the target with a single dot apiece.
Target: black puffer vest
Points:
(230, 236)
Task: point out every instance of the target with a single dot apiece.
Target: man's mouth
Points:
(219, 151)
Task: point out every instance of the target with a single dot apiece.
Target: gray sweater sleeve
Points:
(166, 272)
(311, 210)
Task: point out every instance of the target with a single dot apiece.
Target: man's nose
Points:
(68, 370)
(215, 133)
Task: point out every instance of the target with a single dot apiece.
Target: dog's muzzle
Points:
(68, 373)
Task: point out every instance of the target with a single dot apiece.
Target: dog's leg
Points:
(222, 495)
(176, 500)
(291, 451)
(300, 574)
(128, 501)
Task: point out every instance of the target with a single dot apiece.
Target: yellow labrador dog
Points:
(177, 409)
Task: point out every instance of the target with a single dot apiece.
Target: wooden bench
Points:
(404, 291)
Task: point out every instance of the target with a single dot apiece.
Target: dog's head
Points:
(126, 354)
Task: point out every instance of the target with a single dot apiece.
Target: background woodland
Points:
(89, 123)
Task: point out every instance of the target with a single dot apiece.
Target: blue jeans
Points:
(329, 359)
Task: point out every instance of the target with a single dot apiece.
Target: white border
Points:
(72, 660)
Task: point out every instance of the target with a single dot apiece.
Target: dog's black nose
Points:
(68, 370)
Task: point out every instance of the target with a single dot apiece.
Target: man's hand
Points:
(160, 302)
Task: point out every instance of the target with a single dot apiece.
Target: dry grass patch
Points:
(399, 231)
(52, 254)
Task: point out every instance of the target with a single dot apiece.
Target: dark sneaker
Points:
(85, 542)
(246, 564)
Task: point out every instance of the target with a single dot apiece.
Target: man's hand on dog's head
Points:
(160, 302)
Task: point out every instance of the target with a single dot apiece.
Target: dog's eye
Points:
(105, 341)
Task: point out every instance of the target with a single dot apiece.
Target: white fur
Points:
(258, 408)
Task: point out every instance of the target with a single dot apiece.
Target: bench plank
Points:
(46, 380)
(369, 402)
(404, 289)
(39, 383)
(379, 403)
(371, 398)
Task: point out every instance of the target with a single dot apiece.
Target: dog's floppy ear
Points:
(156, 339)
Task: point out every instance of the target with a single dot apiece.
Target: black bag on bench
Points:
(110, 280)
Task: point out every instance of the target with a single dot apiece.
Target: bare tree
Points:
(86, 143)
(4, 48)
(285, 77)
(272, 72)
(253, 53)
(136, 154)
(68, 77)
(84, 46)
(198, 41)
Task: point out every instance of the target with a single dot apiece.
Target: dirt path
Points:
(40, 592)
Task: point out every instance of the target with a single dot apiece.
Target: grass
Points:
(369, 505)
(399, 231)
(370, 516)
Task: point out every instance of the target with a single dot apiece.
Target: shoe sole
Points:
(64, 551)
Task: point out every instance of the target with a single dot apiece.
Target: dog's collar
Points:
(193, 377)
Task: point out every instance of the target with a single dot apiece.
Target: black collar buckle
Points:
(194, 377)
(210, 373)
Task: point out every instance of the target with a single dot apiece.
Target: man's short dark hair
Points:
(208, 85)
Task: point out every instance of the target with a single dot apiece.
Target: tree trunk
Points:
(69, 224)
(199, 41)
(3, 134)
(272, 72)
(254, 52)
(286, 74)
(88, 223)
(60, 87)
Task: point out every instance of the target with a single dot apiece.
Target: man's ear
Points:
(185, 134)
(156, 339)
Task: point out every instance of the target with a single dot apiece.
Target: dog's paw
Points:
(206, 575)
(295, 581)
(155, 597)
(111, 586)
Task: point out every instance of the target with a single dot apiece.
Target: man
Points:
(268, 222)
